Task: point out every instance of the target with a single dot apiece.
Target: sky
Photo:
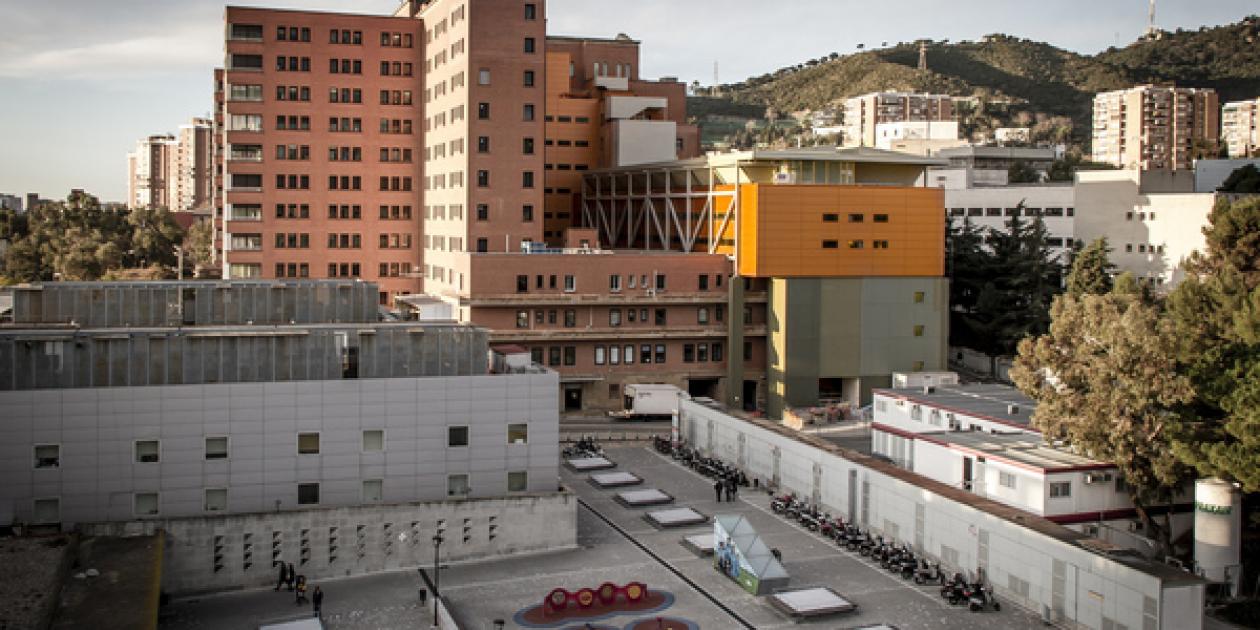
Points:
(82, 80)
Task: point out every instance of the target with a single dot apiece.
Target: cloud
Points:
(184, 49)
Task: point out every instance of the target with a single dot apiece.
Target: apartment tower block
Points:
(1155, 127)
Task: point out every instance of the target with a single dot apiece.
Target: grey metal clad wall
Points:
(96, 432)
(194, 303)
(42, 359)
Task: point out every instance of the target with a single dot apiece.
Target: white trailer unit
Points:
(644, 401)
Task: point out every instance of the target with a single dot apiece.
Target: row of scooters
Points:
(711, 467)
(896, 558)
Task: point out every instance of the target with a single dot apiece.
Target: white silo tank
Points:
(1218, 530)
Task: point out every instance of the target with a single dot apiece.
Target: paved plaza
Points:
(481, 592)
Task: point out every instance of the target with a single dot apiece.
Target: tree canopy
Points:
(1003, 282)
(1091, 270)
(78, 239)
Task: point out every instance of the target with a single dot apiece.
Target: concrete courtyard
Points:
(609, 551)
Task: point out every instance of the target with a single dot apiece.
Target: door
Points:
(750, 395)
(572, 397)
(966, 476)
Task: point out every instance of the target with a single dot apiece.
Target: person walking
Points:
(291, 577)
(733, 484)
(317, 601)
(300, 591)
(729, 486)
(284, 575)
(717, 489)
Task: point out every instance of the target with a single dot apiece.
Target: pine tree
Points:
(1105, 379)
(1091, 270)
(1217, 314)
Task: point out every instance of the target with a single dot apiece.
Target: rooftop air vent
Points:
(1012, 410)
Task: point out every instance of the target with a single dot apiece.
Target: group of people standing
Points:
(729, 485)
(297, 584)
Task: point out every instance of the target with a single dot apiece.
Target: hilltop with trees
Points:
(1010, 81)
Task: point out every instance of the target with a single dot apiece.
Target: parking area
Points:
(616, 544)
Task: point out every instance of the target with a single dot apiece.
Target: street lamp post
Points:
(437, 545)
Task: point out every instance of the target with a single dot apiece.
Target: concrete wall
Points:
(98, 474)
(978, 205)
(238, 551)
(1150, 234)
(1032, 562)
(867, 326)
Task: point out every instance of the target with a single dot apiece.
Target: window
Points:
(857, 218)
(601, 355)
(217, 447)
(830, 244)
(856, 244)
(531, 11)
(528, 78)
(522, 319)
(47, 455)
(748, 351)
(1060, 489)
(147, 451)
(702, 315)
(702, 352)
(570, 355)
(483, 178)
(614, 355)
(529, 44)
(522, 283)
(918, 330)
(527, 112)
(518, 433)
(457, 485)
(689, 352)
(527, 146)
(483, 76)
(457, 436)
(614, 283)
(373, 490)
(881, 218)
(660, 282)
(645, 353)
(570, 284)
(308, 444)
(47, 510)
(518, 481)
(614, 317)
(145, 503)
(716, 351)
(483, 111)
(553, 355)
(308, 494)
(627, 354)
(919, 297)
(1006, 480)
(659, 317)
(660, 353)
(373, 440)
(216, 499)
(483, 144)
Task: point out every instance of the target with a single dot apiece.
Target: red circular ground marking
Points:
(585, 598)
(607, 592)
(546, 614)
(635, 591)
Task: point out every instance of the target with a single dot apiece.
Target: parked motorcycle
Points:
(780, 504)
(980, 597)
(928, 572)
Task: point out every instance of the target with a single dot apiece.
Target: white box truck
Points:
(649, 402)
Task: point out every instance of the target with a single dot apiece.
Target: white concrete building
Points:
(994, 207)
(920, 137)
(1240, 127)
(979, 438)
(1152, 220)
(1058, 572)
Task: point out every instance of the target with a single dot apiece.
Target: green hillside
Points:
(1033, 80)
